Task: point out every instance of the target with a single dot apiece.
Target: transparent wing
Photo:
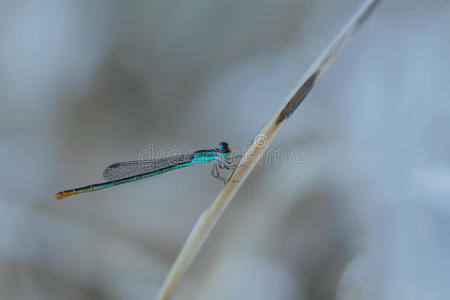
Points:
(137, 167)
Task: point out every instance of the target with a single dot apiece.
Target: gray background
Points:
(87, 83)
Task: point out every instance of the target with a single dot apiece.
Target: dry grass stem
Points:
(259, 145)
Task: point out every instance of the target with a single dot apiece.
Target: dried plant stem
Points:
(259, 145)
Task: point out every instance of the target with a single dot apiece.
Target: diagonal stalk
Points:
(259, 145)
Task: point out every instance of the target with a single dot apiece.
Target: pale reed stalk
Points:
(259, 145)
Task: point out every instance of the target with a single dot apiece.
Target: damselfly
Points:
(129, 171)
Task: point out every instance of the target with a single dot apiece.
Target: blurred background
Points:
(365, 215)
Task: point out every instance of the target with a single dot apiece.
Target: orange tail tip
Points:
(64, 194)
